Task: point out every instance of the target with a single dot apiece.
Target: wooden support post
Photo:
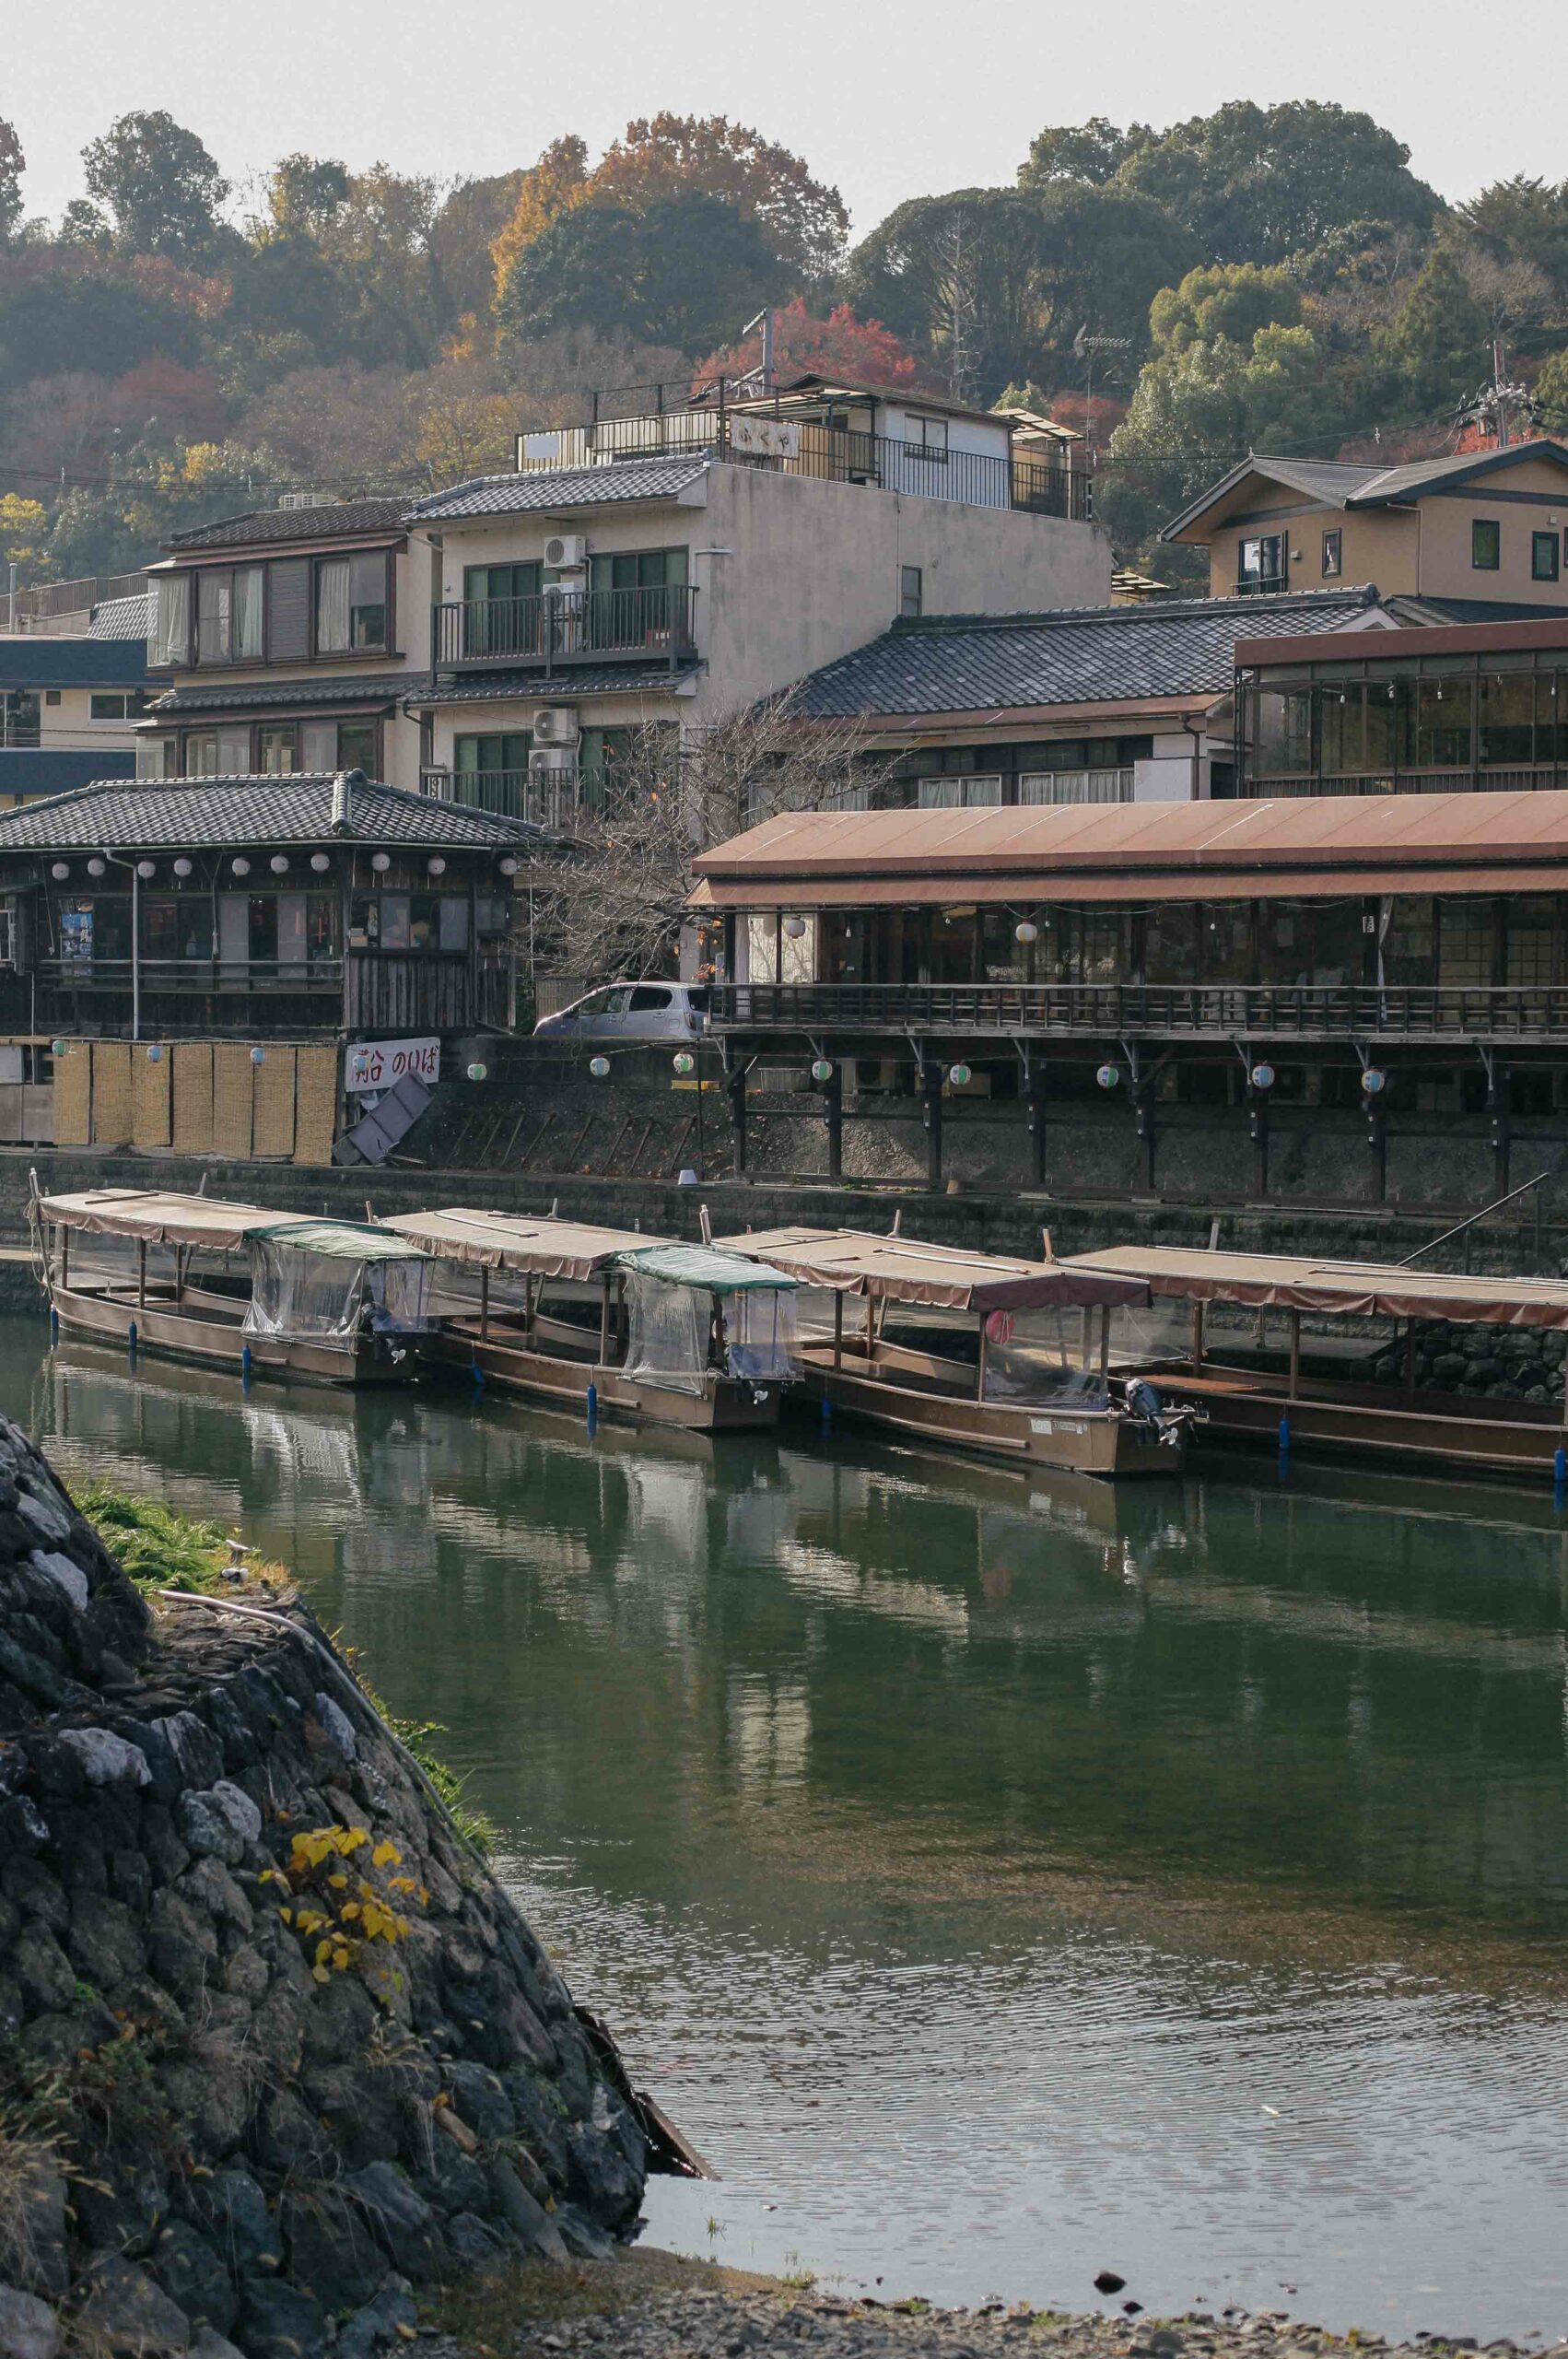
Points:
(1410, 1356)
(605, 1283)
(1037, 1104)
(837, 1327)
(833, 1091)
(980, 1364)
(1497, 1104)
(1257, 1122)
(1295, 1355)
(142, 1272)
(1085, 1319)
(738, 1119)
(530, 1302)
(871, 1329)
(1198, 1339)
(930, 1086)
(63, 1234)
(1105, 1346)
(484, 1303)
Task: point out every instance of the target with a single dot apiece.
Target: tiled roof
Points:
(344, 520)
(219, 812)
(1339, 483)
(32, 660)
(377, 687)
(121, 617)
(550, 491)
(1075, 655)
(561, 687)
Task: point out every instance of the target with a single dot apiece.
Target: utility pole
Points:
(1086, 346)
(1497, 393)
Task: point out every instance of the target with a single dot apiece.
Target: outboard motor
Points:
(1143, 1402)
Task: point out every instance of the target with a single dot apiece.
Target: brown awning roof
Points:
(1326, 844)
(549, 1248)
(1405, 646)
(1349, 1289)
(901, 1269)
(159, 1219)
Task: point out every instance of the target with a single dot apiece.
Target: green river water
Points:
(997, 1880)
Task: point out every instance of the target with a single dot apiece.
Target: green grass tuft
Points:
(158, 1548)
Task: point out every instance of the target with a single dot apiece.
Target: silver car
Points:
(628, 1012)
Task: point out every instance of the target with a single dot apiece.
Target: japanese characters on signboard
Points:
(379, 1065)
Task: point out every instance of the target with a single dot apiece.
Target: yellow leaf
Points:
(353, 1837)
(324, 1950)
(338, 1882)
(320, 1974)
(286, 1915)
(386, 1855)
(350, 1910)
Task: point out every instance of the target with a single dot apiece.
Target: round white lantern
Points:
(258, 1056)
(958, 1075)
(1109, 1075)
(60, 871)
(381, 861)
(182, 866)
(321, 862)
(155, 1054)
(1374, 1082)
(508, 867)
(684, 1061)
(478, 1073)
(97, 868)
(599, 1067)
(821, 1069)
(436, 865)
(794, 928)
(239, 864)
(1262, 1077)
(145, 869)
(1025, 931)
(279, 863)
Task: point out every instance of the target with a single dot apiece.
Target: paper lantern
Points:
(508, 867)
(155, 1054)
(1025, 931)
(97, 868)
(381, 861)
(478, 1073)
(258, 1056)
(241, 865)
(182, 866)
(1109, 1075)
(321, 862)
(1374, 1082)
(684, 1062)
(436, 865)
(279, 863)
(61, 870)
(59, 1048)
(1262, 1077)
(599, 1067)
(958, 1075)
(794, 928)
(821, 1069)
(146, 868)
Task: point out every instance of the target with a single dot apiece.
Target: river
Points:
(998, 1880)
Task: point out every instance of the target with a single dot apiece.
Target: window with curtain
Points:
(332, 606)
(170, 638)
(245, 645)
(215, 604)
(368, 602)
(277, 749)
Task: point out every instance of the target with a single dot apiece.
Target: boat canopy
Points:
(543, 1247)
(1348, 1290)
(327, 1281)
(158, 1219)
(901, 1269)
(707, 1268)
(340, 1240)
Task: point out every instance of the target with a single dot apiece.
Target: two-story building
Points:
(678, 562)
(286, 640)
(71, 704)
(1469, 533)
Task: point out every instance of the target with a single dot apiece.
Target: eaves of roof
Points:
(552, 491)
(219, 813)
(559, 687)
(269, 696)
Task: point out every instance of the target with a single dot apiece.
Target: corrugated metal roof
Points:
(341, 519)
(550, 491)
(193, 812)
(1072, 655)
(1298, 831)
(121, 617)
(224, 695)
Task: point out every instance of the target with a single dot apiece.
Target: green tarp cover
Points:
(341, 1240)
(700, 1265)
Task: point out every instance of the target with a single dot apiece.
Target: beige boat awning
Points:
(543, 1247)
(900, 1269)
(158, 1219)
(1349, 1289)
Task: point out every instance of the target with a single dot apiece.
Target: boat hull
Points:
(1496, 1438)
(204, 1338)
(726, 1404)
(1104, 1442)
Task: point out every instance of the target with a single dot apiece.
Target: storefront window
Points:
(1284, 732)
(1409, 939)
(1443, 724)
(1170, 945)
(1507, 718)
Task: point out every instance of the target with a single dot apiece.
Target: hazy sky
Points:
(889, 98)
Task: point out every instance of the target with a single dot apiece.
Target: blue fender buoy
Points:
(53, 1324)
(593, 1406)
(826, 1415)
(1560, 1466)
(131, 1339)
(245, 1366)
(478, 1373)
(1284, 1434)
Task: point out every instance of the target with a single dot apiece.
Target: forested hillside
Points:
(173, 349)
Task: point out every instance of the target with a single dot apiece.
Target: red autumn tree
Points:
(859, 352)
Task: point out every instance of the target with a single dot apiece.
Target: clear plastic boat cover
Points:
(301, 1295)
(670, 1328)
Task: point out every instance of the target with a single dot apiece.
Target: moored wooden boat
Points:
(325, 1302)
(1033, 1406)
(680, 1335)
(1382, 1423)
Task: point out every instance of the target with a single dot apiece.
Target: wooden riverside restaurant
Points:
(1348, 947)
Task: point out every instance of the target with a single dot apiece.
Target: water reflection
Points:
(998, 1875)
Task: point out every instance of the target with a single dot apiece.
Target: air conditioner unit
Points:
(556, 724)
(552, 762)
(565, 550)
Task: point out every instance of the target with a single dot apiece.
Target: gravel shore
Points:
(650, 2305)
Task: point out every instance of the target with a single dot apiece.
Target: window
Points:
(925, 437)
(170, 638)
(501, 613)
(1544, 557)
(959, 794)
(111, 704)
(352, 605)
(1486, 544)
(1331, 545)
(338, 745)
(229, 615)
(157, 757)
(1261, 563)
(909, 592)
(1284, 732)
(277, 749)
(51, 695)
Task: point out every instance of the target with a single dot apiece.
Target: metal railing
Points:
(1261, 585)
(1214, 1011)
(193, 974)
(1464, 782)
(567, 627)
(783, 445)
(548, 801)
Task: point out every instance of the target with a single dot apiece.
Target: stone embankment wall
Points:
(273, 2047)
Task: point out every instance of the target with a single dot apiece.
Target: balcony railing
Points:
(1261, 585)
(562, 627)
(1528, 780)
(193, 974)
(833, 454)
(549, 800)
(1110, 1011)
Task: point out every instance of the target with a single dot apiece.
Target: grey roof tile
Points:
(261, 526)
(577, 680)
(551, 491)
(121, 617)
(1073, 655)
(189, 814)
(367, 687)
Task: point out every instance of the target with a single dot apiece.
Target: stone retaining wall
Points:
(273, 2047)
